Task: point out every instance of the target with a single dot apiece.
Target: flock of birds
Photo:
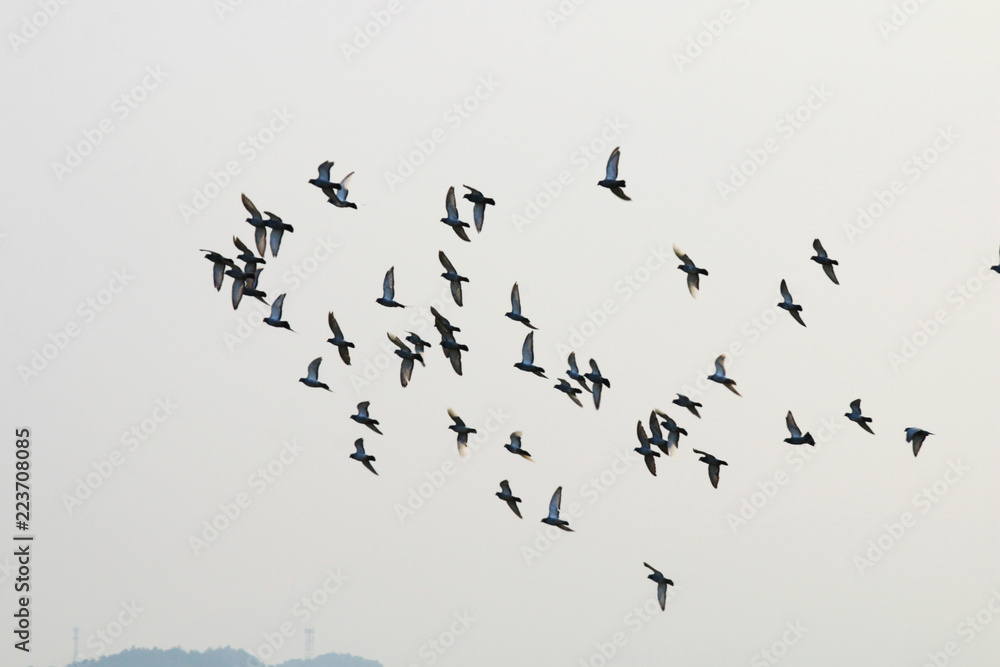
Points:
(245, 282)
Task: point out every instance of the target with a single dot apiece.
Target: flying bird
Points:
(359, 454)
(553, 518)
(597, 381)
(823, 260)
(312, 379)
(419, 344)
(691, 270)
(916, 436)
(796, 437)
(363, 418)
(257, 222)
(505, 495)
(855, 416)
(713, 466)
(995, 268)
(462, 430)
(322, 181)
(674, 432)
(441, 323)
(336, 193)
(479, 205)
(686, 402)
(611, 177)
(389, 290)
(515, 308)
(219, 264)
(792, 308)
(720, 375)
(246, 255)
(514, 446)
(571, 391)
(527, 362)
(452, 219)
(648, 453)
(453, 350)
(661, 585)
(452, 277)
(274, 319)
(574, 372)
(408, 356)
(278, 228)
(343, 346)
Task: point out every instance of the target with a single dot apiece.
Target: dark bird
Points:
(462, 430)
(408, 356)
(515, 308)
(219, 264)
(312, 378)
(571, 391)
(674, 432)
(389, 290)
(916, 436)
(452, 220)
(553, 518)
(246, 255)
(855, 416)
(686, 402)
(359, 454)
(441, 323)
(453, 350)
(452, 277)
(796, 437)
(322, 181)
(691, 270)
(527, 362)
(278, 228)
(648, 453)
(260, 227)
(479, 205)
(363, 418)
(597, 381)
(792, 308)
(274, 319)
(343, 346)
(505, 495)
(611, 177)
(574, 372)
(418, 343)
(823, 260)
(720, 375)
(336, 194)
(713, 466)
(514, 446)
(995, 268)
(661, 585)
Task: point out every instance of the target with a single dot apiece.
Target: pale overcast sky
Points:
(187, 490)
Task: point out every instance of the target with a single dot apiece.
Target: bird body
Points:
(312, 377)
(720, 375)
(527, 362)
(364, 418)
(611, 180)
(855, 416)
(553, 518)
(823, 260)
(505, 495)
(388, 298)
(360, 455)
(795, 435)
(793, 308)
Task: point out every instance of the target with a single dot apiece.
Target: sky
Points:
(186, 490)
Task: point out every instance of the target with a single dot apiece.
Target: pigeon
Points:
(219, 264)
(515, 308)
(452, 220)
(527, 362)
(245, 282)
(336, 194)
(855, 416)
(246, 255)
(260, 227)
(250, 283)
(611, 177)
(553, 518)
(514, 446)
(452, 277)
(823, 260)
(389, 290)
(569, 390)
(363, 418)
(995, 268)
(713, 466)
(441, 323)
(453, 350)
(787, 304)
(648, 453)
(796, 437)
(916, 436)
(419, 344)
(505, 495)
(597, 381)
(661, 585)
(479, 205)
(574, 372)
(278, 228)
(322, 181)
(239, 280)
(359, 454)
(312, 379)
(720, 375)
(275, 318)
(462, 430)
(343, 346)
(686, 402)
(674, 432)
(407, 355)
(691, 270)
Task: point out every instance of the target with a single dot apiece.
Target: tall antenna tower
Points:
(310, 632)
(76, 638)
